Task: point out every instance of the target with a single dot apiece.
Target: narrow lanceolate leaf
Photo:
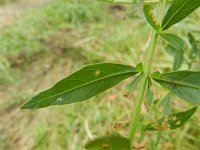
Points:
(82, 85)
(179, 10)
(178, 56)
(166, 105)
(178, 60)
(173, 40)
(149, 94)
(195, 50)
(134, 84)
(148, 11)
(172, 121)
(175, 47)
(184, 84)
(112, 142)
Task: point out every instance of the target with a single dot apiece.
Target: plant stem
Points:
(150, 52)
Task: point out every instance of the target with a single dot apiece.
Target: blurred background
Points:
(43, 41)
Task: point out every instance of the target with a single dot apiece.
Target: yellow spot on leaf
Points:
(97, 73)
(105, 146)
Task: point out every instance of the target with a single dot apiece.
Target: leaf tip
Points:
(29, 105)
(25, 106)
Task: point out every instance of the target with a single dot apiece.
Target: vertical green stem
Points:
(150, 52)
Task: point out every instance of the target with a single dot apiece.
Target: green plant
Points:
(96, 78)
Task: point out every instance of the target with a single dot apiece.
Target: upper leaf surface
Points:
(112, 142)
(185, 84)
(179, 10)
(134, 84)
(82, 85)
(172, 121)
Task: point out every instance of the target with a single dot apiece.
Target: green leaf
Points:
(119, 1)
(139, 67)
(134, 84)
(82, 85)
(172, 121)
(175, 41)
(165, 104)
(178, 60)
(184, 84)
(175, 47)
(178, 56)
(170, 50)
(195, 50)
(112, 142)
(179, 10)
(148, 12)
(149, 94)
(156, 74)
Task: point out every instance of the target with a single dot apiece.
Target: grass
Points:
(51, 42)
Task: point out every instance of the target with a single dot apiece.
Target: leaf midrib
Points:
(107, 77)
(174, 14)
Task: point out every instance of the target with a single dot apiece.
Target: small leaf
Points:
(173, 40)
(178, 60)
(179, 10)
(184, 84)
(148, 11)
(82, 85)
(173, 121)
(149, 94)
(178, 56)
(175, 47)
(134, 84)
(139, 67)
(165, 104)
(170, 50)
(156, 74)
(195, 50)
(112, 142)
